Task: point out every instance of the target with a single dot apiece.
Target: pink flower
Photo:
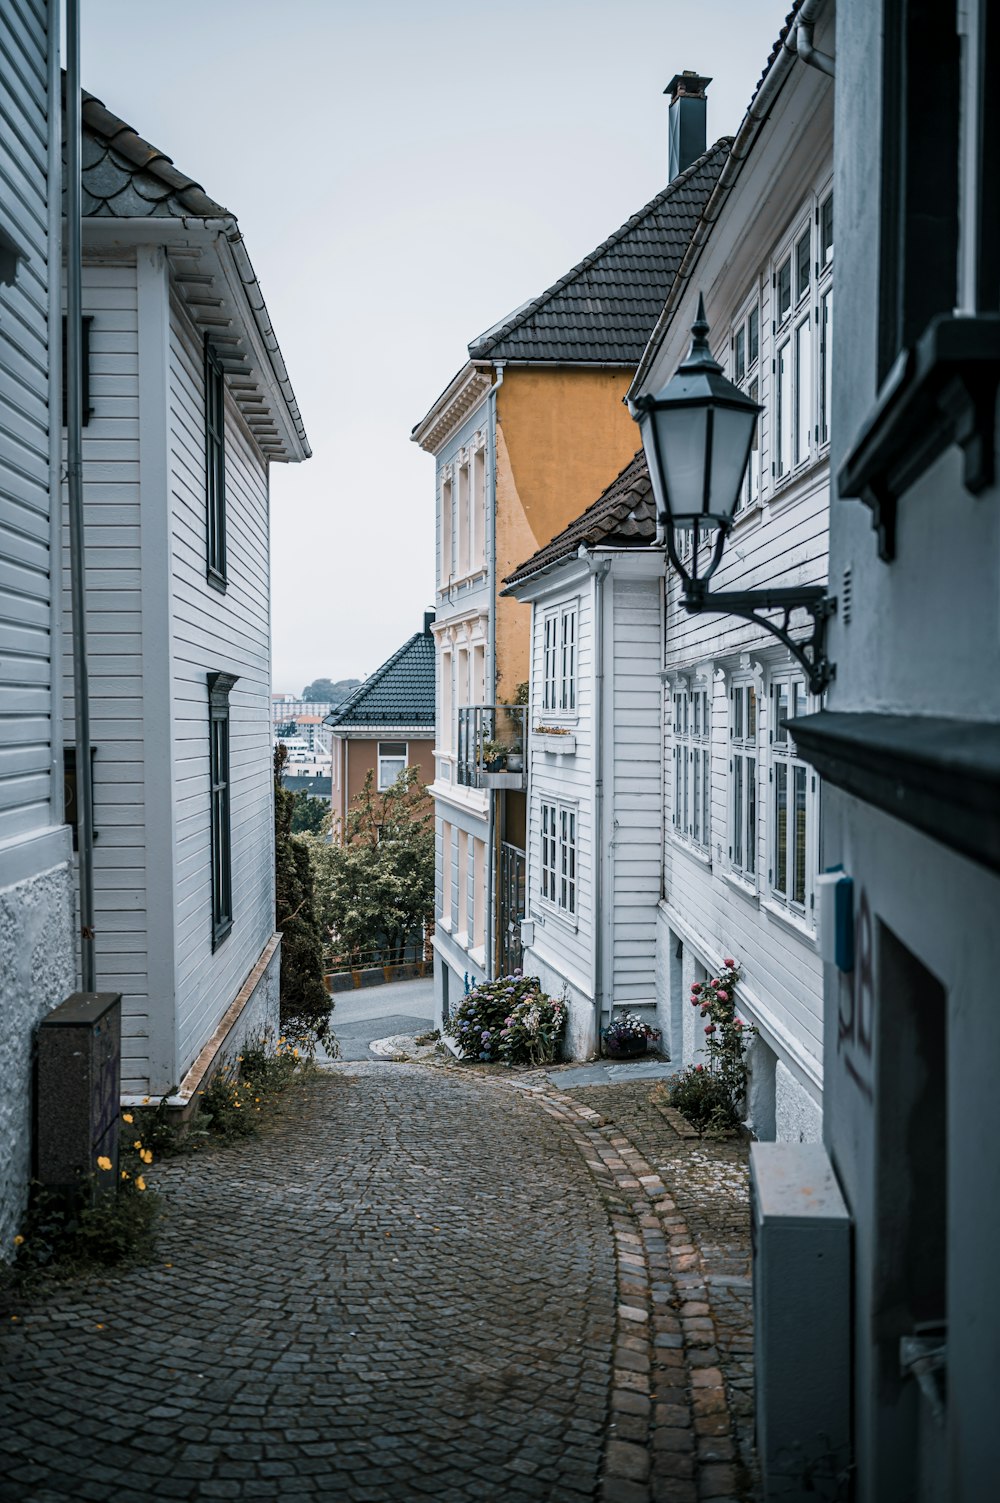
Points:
(737, 1022)
(695, 1001)
(698, 1069)
(710, 1028)
(722, 996)
(729, 962)
(696, 986)
(715, 981)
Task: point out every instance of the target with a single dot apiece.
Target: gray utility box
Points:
(802, 1320)
(78, 1098)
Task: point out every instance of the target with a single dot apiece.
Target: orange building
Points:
(386, 725)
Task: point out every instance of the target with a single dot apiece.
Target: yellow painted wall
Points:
(562, 437)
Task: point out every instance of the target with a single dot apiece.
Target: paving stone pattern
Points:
(710, 1182)
(424, 1283)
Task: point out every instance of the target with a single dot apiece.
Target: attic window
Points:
(85, 406)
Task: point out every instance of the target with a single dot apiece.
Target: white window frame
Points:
(744, 779)
(391, 758)
(746, 371)
(560, 642)
(559, 873)
(794, 424)
(447, 542)
(691, 816)
(792, 785)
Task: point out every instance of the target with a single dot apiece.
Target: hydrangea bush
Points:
(714, 1097)
(510, 1021)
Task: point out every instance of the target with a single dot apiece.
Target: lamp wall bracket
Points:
(751, 604)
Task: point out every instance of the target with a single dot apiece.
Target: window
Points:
(802, 277)
(219, 687)
(446, 524)
(743, 773)
(215, 467)
(462, 882)
(558, 856)
(446, 857)
(87, 411)
(803, 390)
(783, 408)
(391, 762)
(793, 784)
(479, 508)
(746, 356)
(692, 766)
(825, 232)
(464, 519)
(784, 287)
(825, 363)
(559, 660)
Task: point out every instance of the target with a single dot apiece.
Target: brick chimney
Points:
(687, 120)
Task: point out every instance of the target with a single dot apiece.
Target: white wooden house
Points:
(593, 871)
(36, 956)
(189, 403)
(741, 821)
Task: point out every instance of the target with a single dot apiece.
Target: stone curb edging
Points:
(671, 1435)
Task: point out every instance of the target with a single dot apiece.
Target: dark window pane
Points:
(751, 861)
(753, 337)
(826, 231)
(802, 266)
(781, 826)
(738, 811)
(741, 354)
(799, 861)
(784, 288)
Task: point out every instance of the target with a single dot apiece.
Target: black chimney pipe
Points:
(687, 120)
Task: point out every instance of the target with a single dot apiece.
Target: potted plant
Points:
(627, 1036)
(493, 756)
(515, 758)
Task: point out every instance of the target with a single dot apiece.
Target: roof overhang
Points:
(209, 262)
(460, 397)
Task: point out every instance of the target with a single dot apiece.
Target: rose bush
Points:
(715, 1097)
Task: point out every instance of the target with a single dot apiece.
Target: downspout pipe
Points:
(74, 477)
(600, 573)
(491, 676)
(55, 305)
(800, 40)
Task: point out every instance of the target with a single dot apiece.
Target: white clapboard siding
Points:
(25, 536)
(632, 712)
(564, 946)
(215, 631)
(115, 649)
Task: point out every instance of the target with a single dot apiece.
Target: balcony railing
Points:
(491, 746)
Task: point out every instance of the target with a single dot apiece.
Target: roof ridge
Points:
(483, 343)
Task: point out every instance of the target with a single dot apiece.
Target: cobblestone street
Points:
(420, 1284)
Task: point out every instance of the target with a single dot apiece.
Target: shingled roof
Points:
(401, 692)
(623, 516)
(604, 308)
(126, 177)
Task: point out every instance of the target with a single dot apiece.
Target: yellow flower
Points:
(124, 1174)
(140, 1183)
(137, 1143)
(127, 1117)
(18, 1240)
(146, 1155)
(104, 1162)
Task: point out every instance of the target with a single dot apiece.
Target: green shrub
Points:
(510, 1020)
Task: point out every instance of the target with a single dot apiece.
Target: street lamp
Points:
(697, 434)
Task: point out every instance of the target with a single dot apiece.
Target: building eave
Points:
(460, 397)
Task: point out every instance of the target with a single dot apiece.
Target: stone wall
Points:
(36, 973)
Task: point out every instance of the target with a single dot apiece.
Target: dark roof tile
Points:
(605, 307)
(624, 516)
(401, 692)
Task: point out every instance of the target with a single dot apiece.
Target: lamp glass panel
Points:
(731, 440)
(682, 432)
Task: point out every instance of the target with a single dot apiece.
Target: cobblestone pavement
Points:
(421, 1284)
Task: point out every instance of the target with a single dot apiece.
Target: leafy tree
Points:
(376, 890)
(323, 691)
(309, 814)
(305, 1002)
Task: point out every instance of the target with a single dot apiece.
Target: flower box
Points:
(554, 741)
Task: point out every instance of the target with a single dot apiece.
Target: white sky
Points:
(405, 173)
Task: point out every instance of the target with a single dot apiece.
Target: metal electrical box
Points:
(800, 1228)
(79, 1091)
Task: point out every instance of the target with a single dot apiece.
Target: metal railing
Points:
(512, 867)
(491, 746)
